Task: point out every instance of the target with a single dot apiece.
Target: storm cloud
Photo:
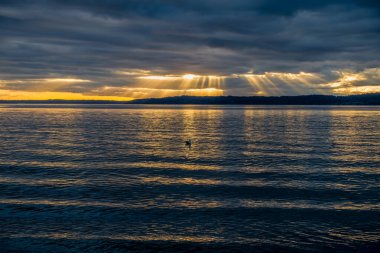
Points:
(241, 47)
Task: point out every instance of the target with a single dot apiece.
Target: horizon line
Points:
(223, 96)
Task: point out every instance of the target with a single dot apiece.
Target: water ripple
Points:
(97, 178)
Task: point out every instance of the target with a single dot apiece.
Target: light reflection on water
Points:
(196, 203)
(276, 178)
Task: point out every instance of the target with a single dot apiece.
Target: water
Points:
(108, 178)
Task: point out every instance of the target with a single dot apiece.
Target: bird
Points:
(188, 142)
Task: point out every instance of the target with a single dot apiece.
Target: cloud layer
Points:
(243, 47)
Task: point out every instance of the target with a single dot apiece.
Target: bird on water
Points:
(188, 143)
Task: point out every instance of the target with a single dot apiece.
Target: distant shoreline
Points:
(364, 99)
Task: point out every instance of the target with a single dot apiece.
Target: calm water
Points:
(77, 178)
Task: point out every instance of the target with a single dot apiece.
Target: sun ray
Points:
(274, 83)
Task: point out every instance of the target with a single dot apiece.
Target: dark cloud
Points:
(92, 40)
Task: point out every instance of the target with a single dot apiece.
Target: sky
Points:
(129, 49)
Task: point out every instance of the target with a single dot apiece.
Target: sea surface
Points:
(119, 178)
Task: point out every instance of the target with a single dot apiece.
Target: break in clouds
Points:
(141, 48)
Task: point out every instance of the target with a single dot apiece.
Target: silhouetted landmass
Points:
(364, 99)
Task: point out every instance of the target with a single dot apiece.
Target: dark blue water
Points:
(120, 179)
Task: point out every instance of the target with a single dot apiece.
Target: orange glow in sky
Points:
(141, 83)
(30, 95)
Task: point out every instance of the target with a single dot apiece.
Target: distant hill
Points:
(364, 99)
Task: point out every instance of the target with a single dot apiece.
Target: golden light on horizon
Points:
(191, 81)
(30, 95)
(145, 92)
(345, 79)
(205, 92)
(189, 76)
(367, 81)
(148, 84)
(41, 85)
(357, 90)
